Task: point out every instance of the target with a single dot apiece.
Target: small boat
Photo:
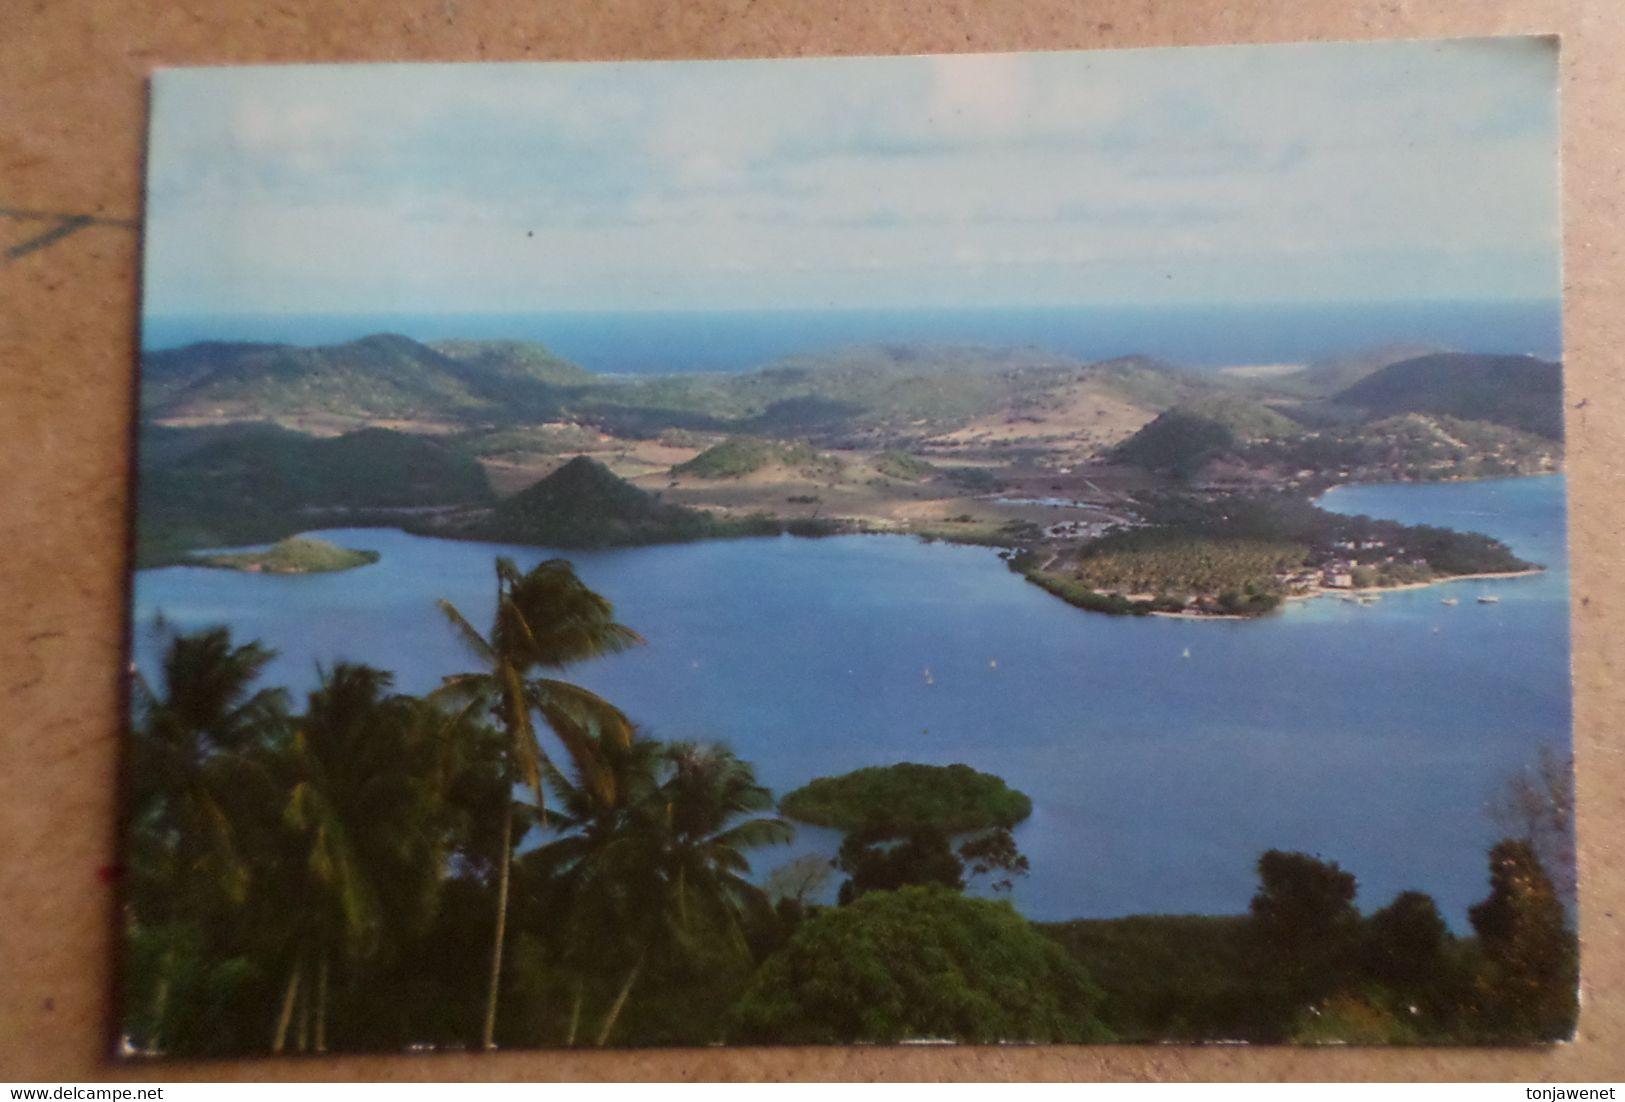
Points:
(1489, 599)
(1187, 653)
(1449, 601)
(929, 680)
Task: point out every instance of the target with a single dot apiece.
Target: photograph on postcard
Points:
(1048, 547)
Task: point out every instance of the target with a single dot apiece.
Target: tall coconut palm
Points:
(342, 770)
(663, 867)
(546, 619)
(205, 723)
(196, 746)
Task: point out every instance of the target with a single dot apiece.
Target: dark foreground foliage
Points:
(363, 870)
(919, 962)
(1304, 965)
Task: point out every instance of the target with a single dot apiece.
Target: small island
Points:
(954, 799)
(295, 555)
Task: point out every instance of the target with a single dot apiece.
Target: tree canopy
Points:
(949, 798)
(918, 963)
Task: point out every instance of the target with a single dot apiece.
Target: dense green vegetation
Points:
(1519, 392)
(1178, 443)
(295, 555)
(742, 455)
(950, 798)
(583, 504)
(332, 878)
(1159, 561)
(1305, 965)
(1245, 417)
(1081, 594)
(1166, 977)
(1229, 555)
(919, 962)
(1182, 440)
(1168, 571)
(254, 483)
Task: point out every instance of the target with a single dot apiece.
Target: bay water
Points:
(1162, 755)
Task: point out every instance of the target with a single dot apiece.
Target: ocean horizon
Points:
(656, 342)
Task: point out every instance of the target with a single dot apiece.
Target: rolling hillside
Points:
(255, 483)
(1182, 440)
(1519, 392)
(382, 377)
(739, 456)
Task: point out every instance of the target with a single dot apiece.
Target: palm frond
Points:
(466, 632)
(756, 832)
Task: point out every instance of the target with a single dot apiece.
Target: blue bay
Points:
(1372, 735)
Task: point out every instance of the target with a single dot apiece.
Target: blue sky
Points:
(1322, 173)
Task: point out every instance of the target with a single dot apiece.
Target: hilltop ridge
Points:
(584, 504)
(1519, 392)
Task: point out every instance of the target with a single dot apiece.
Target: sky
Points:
(1355, 172)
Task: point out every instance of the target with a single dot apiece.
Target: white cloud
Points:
(1323, 171)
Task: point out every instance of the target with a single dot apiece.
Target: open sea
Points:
(666, 343)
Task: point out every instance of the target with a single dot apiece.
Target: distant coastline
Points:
(664, 342)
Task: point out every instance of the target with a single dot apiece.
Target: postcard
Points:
(1049, 547)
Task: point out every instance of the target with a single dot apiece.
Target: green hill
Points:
(1334, 373)
(1176, 443)
(739, 456)
(583, 504)
(381, 376)
(843, 390)
(1147, 383)
(251, 483)
(1245, 418)
(1520, 392)
(522, 361)
(1183, 440)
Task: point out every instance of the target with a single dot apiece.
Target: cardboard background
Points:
(72, 123)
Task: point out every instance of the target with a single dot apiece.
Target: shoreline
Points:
(1456, 480)
(1368, 591)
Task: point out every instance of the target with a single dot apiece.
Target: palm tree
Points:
(341, 768)
(661, 867)
(705, 864)
(205, 721)
(195, 748)
(547, 619)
